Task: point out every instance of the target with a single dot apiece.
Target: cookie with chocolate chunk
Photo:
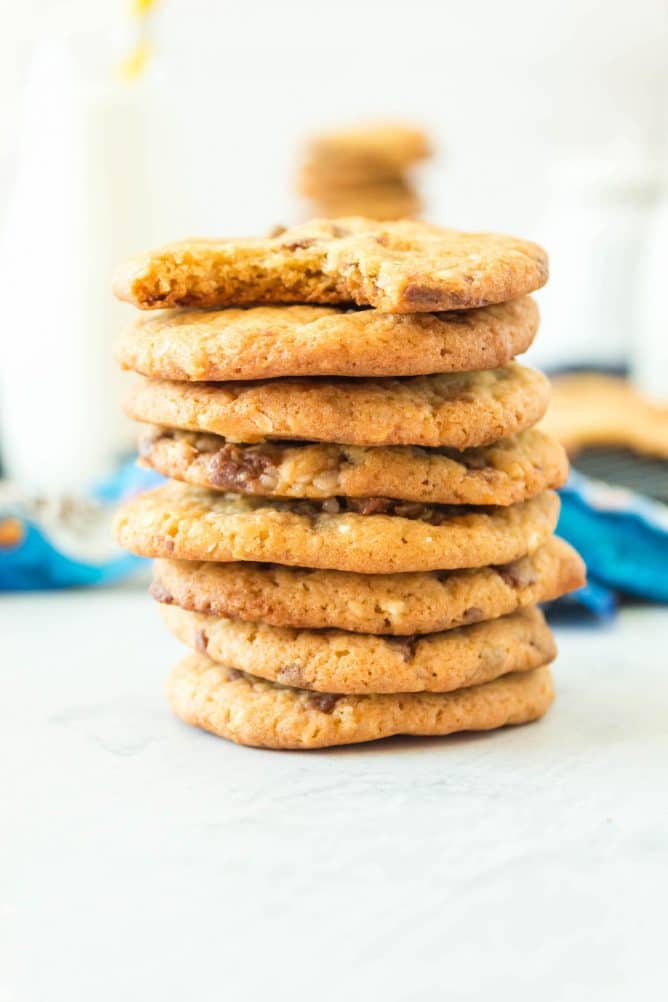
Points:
(252, 711)
(361, 535)
(263, 342)
(511, 470)
(336, 661)
(457, 409)
(400, 267)
(395, 604)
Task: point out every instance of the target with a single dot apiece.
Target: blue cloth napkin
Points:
(66, 542)
(623, 539)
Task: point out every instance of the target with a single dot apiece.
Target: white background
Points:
(504, 88)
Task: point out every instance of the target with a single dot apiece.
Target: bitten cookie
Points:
(263, 342)
(511, 470)
(459, 410)
(188, 523)
(335, 661)
(254, 712)
(401, 267)
(397, 604)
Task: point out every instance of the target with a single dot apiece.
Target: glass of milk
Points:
(81, 203)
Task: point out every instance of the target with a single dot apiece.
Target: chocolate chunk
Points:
(433, 514)
(472, 460)
(299, 244)
(422, 297)
(518, 574)
(405, 645)
(369, 506)
(323, 701)
(235, 468)
(455, 317)
(201, 641)
(160, 593)
(233, 674)
(473, 614)
(411, 510)
(291, 675)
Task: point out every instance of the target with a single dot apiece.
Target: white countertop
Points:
(142, 859)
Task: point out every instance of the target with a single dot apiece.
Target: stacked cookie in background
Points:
(364, 171)
(358, 527)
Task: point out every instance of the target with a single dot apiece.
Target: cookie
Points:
(374, 149)
(263, 342)
(395, 604)
(378, 200)
(188, 523)
(511, 470)
(400, 267)
(592, 409)
(335, 661)
(319, 178)
(263, 714)
(457, 409)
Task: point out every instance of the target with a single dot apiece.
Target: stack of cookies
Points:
(364, 171)
(358, 527)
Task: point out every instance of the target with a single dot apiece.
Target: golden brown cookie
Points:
(510, 470)
(360, 152)
(382, 200)
(188, 523)
(591, 409)
(398, 604)
(263, 342)
(400, 267)
(335, 661)
(263, 714)
(457, 409)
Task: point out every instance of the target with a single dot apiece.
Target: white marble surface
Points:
(145, 860)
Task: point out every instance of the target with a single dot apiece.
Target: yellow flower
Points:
(142, 7)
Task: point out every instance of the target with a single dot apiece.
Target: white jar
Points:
(595, 232)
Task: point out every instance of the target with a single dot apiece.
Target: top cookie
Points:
(399, 267)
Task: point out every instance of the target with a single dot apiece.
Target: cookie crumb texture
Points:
(334, 661)
(264, 342)
(187, 523)
(254, 712)
(507, 471)
(459, 410)
(393, 604)
(401, 267)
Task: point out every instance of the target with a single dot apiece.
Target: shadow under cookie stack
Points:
(364, 171)
(359, 524)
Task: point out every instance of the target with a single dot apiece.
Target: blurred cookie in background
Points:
(611, 431)
(364, 171)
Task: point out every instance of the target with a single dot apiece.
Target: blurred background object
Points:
(123, 125)
(364, 171)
